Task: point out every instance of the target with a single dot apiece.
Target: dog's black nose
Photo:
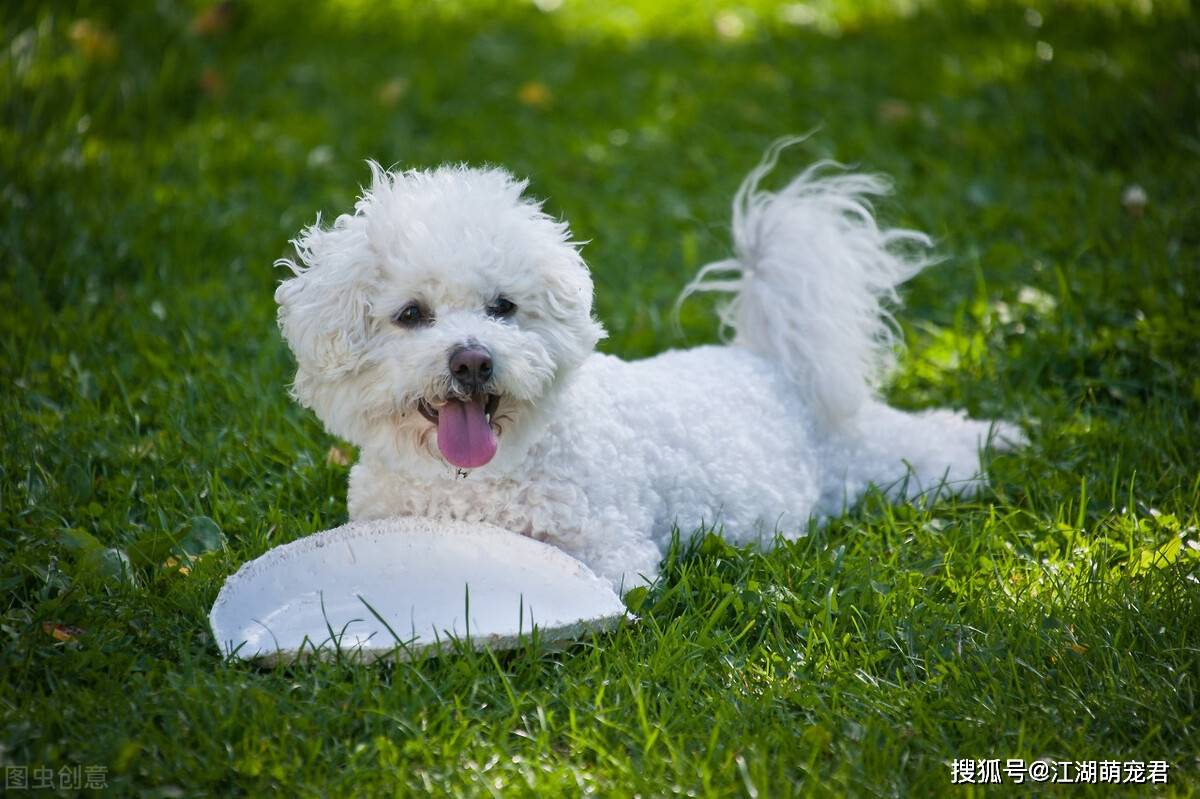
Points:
(471, 366)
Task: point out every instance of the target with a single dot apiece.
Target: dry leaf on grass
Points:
(61, 632)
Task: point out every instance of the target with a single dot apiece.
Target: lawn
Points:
(155, 158)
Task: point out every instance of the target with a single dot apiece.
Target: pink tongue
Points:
(464, 435)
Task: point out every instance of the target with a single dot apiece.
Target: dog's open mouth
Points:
(464, 429)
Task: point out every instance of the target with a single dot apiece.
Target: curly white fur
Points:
(601, 456)
(811, 280)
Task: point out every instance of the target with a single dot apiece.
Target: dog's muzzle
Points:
(465, 435)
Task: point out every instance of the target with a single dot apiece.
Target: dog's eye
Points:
(501, 308)
(410, 315)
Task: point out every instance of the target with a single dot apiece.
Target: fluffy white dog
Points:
(445, 328)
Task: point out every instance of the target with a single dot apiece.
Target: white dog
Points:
(445, 328)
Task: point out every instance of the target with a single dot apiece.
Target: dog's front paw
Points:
(1006, 437)
(632, 564)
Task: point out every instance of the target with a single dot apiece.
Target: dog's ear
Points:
(569, 294)
(325, 308)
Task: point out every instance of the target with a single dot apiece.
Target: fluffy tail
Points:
(813, 279)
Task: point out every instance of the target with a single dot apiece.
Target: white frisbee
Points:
(406, 588)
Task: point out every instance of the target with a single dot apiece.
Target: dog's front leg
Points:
(627, 558)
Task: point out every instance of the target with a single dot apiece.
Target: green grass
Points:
(150, 174)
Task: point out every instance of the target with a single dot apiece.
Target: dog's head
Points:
(434, 326)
